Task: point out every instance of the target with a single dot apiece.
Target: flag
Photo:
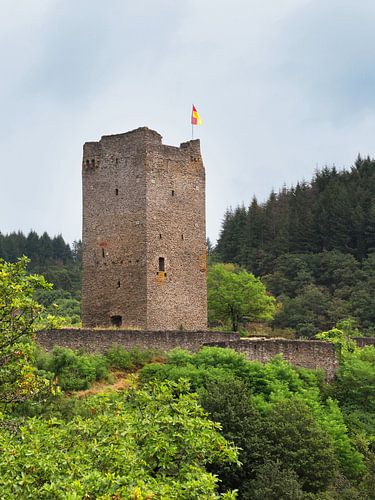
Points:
(195, 118)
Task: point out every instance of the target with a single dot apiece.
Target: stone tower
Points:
(144, 253)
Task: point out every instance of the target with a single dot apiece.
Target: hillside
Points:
(313, 245)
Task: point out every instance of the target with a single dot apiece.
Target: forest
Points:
(59, 262)
(313, 246)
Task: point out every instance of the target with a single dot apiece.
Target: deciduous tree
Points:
(234, 294)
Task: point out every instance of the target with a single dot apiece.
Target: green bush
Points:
(76, 370)
(151, 443)
(279, 392)
(73, 370)
(121, 359)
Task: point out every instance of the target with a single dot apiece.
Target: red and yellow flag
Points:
(195, 118)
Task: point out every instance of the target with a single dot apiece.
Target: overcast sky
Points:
(282, 86)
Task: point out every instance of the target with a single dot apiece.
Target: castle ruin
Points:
(144, 252)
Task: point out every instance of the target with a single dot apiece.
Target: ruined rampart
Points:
(364, 341)
(100, 340)
(302, 353)
(312, 354)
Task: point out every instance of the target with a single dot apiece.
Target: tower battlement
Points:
(144, 257)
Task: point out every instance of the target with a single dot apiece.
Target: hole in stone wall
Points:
(87, 163)
(103, 253)
(93, 163)
(116, 320)
(159, 236)
(116, 192)
(182, 236)
(118, 284)
(172, 192)
(116, 161)
(161, 264)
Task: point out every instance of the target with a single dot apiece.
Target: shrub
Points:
(121, 359)
(73, 370)
(152, 443)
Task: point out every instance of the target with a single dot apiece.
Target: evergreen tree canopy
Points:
(313, 245)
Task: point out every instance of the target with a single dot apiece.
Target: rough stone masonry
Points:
(144, 252)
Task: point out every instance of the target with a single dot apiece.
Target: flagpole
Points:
(192, 125)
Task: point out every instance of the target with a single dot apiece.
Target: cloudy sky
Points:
(283, 86)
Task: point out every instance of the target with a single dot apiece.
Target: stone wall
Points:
(301, 353)
(364, 341)
(101, 340)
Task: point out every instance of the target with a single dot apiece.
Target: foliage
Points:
(234, 294)
(287, 434)
(268, 385)
(355, 382)
(313, 245)
(72, 370)
(154, 442)
(121, 359)
(354, 388)
(294, 437)
(274, 482)
(229, 402)
(59, 263)
(76, 370)
(19, 319)
(341, 337)
(61, 302)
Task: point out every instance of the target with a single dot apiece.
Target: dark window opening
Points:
(88, 163)
(116, 161)
(172, 192)
(103, 253)
(93, 163)
(118, 284)
(159, 236)
(182, 236)
(116, 321)
(161, 264)
(116, 192)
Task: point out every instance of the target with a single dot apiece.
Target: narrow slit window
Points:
(161, 264)
(182, 236)
(116, 192)
(172, 192)
(93, 163)
(118, 284)
(88, 163)
(103, 253)
(160, 236)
